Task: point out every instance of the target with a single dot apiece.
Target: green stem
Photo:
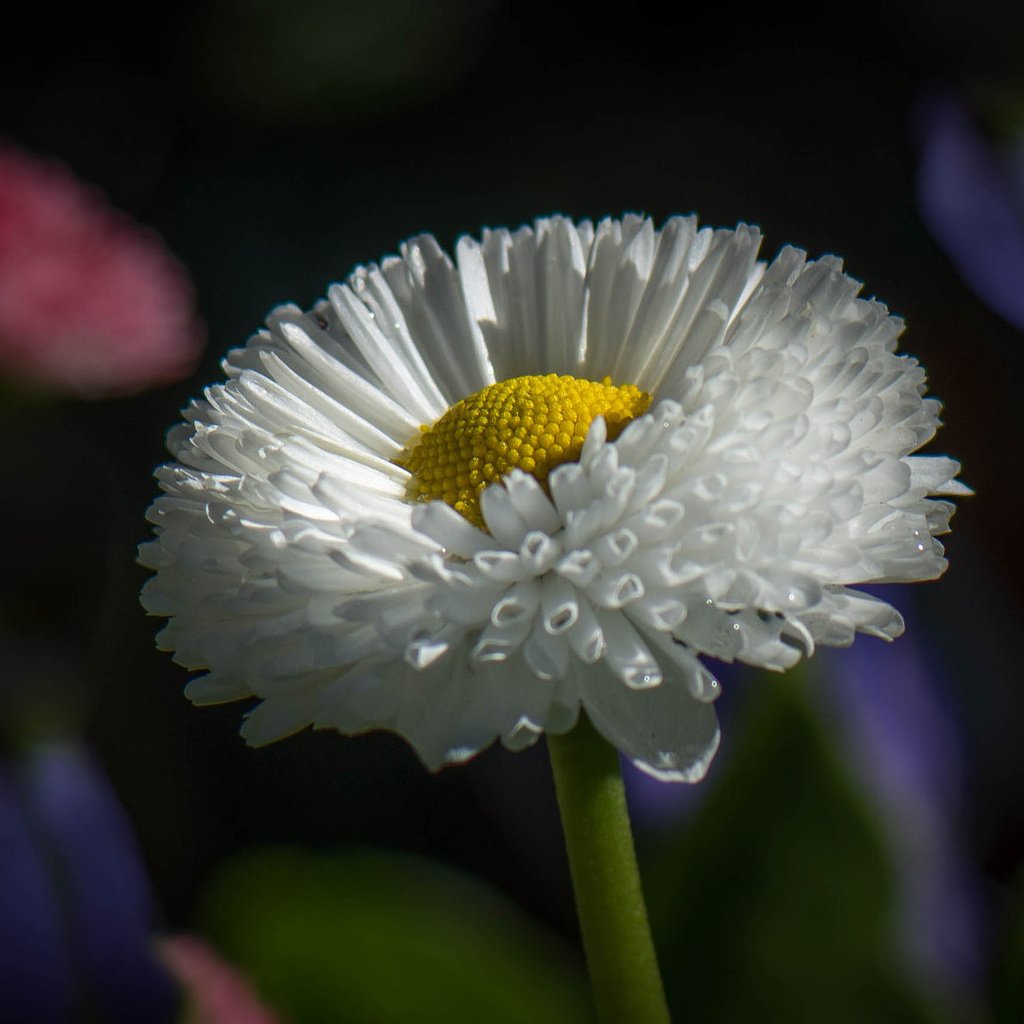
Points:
(613, 917)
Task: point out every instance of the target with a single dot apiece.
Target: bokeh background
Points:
(855, 854)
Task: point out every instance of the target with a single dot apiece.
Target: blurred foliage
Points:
(1009, 972)
(370, 936)
(319, 58)
(776, 902)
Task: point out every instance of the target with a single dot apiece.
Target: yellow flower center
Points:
(528, 423)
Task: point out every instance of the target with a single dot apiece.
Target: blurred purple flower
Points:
(91, 304)
(77, 904)
(36, 978)
(969, 194)
(655, 804)
(902, 743)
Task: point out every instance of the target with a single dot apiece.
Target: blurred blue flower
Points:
(971, 195)
(76, 932)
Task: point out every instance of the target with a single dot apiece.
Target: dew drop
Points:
(642, 677)
(710, 690)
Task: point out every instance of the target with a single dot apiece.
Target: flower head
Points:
(462, 500)
(90, 304)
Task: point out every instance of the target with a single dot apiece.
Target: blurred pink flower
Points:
(91, 303)
(215, 992)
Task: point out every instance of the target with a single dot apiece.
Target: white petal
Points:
(427, 290)
(936, 475)
(661, 729)
(449, 529)
(524, 291)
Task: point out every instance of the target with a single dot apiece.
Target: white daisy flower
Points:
(460, 500)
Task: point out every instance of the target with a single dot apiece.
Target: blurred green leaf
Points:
(377, 937)
(317, 58)
(1009, 974)
(776, 901)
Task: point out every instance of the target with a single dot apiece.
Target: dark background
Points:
(274, 146)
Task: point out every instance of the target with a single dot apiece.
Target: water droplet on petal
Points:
(642, 677)
(712, 690)
(704, 687)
